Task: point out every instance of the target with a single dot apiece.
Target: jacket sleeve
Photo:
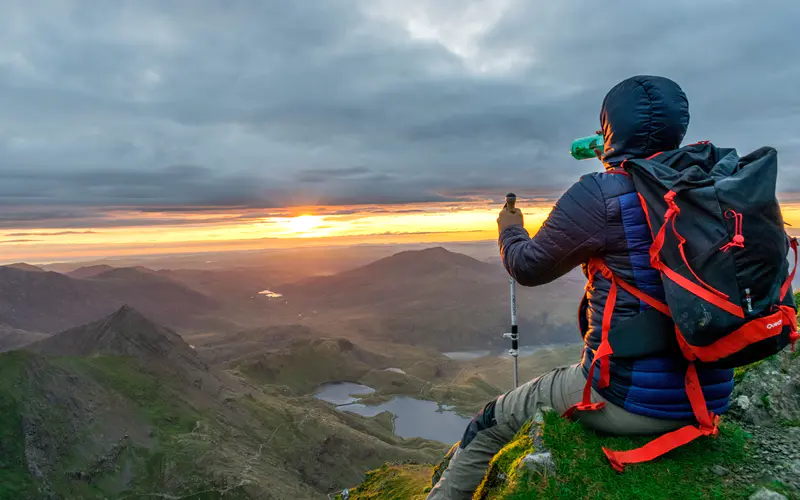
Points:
(574, 231)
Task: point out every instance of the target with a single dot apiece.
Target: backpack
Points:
(720, 244)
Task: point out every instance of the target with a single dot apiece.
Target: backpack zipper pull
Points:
(738, 237)
(749, 300)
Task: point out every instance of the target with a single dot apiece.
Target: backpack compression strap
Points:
(604, 351)
(702, 290)
(663, 444)
(708, 425)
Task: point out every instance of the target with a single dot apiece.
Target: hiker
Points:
(599, 219)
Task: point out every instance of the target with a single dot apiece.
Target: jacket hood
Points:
(641, 116)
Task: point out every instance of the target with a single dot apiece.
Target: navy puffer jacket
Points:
(601, 216)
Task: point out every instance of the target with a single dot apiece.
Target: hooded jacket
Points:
(601, 216)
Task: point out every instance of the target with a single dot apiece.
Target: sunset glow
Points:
(304, 225)
(232, 229)
(226, 229)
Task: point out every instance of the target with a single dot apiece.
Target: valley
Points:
(129, 382)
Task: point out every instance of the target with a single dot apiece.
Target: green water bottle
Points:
(583, 148)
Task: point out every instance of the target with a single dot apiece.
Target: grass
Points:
(583, 470)
(394, 482)
(162, 404)
(15, 481)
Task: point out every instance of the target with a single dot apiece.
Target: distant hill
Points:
(89, 271)
(132, 274)
(436, 297)
(234, 285)
(22, 266)
(49, 302)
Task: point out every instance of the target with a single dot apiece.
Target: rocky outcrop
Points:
(766, 403)
(765, 494)
(768, 392)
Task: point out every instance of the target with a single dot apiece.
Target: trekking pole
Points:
(511, 200)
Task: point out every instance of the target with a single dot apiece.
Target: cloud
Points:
(323, 175)
(59, 233)
(6, 242)
(168, 107)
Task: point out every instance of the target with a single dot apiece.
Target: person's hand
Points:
(507, 218)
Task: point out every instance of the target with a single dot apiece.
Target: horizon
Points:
(296, 227)
(285, 229)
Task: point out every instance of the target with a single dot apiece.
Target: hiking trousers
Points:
(559, 389)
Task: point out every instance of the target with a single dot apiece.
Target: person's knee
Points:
(482, 420)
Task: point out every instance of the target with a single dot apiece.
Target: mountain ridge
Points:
(434, 297)
(50, 302)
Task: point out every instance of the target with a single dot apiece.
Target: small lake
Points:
(341, 393)
(270, 294)
(413, 417)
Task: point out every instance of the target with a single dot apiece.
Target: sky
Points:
(155, 126)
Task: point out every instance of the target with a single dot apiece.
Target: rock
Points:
(538, 417)
(541, 462)
(439, 469)
(536, 437)
(769, 391)
(720, 470)
(743, 402)
(765, 494)
(536, 429)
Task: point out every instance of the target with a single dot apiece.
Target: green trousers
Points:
(559, 389)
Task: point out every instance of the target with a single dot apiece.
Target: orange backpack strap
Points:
(604, 351)
(707, 426)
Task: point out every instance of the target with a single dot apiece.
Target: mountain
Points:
(49, 302)
(22, 266)
(124, 333)
(114, 409)
(89, 271)
(233, 285)
(435, 297)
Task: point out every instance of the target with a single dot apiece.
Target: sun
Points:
(304, 223)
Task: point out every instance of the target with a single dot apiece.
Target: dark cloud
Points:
(324, 175)
(167, 107)
(59, 233)
(6, 242)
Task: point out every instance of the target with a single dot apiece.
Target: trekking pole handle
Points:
(511, 201)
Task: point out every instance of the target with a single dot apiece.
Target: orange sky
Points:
(238, 230)
(299, 226)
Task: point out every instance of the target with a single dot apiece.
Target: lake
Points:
(413, 417)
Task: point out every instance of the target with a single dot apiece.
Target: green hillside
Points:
(116, 427)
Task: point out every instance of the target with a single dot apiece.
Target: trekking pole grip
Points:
(511, 201)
